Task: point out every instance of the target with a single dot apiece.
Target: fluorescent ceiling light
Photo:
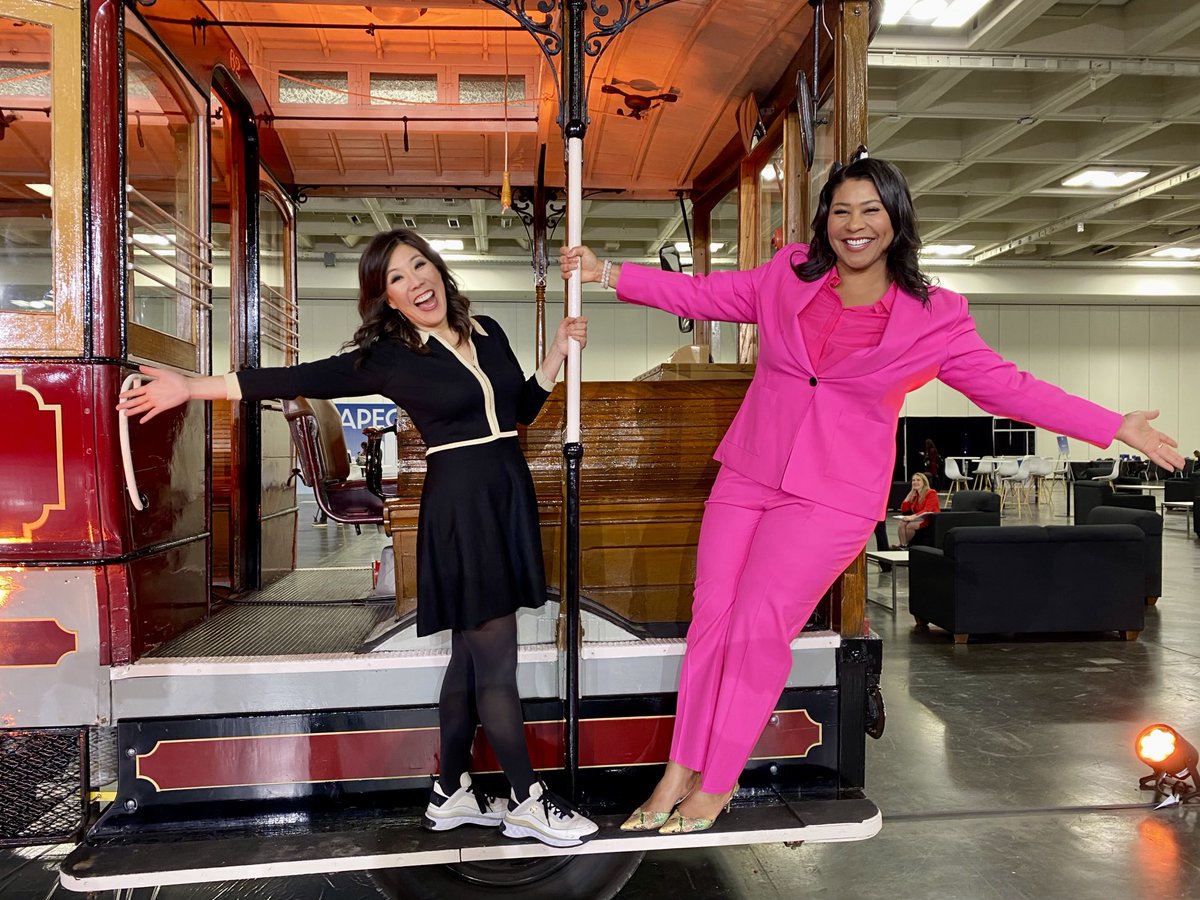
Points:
(685, 247)
(44, 189)
(894, 10)
(151, 240)
(440, 244)
(1105, 178)
(947, 249)
(959, 13)
(1178, 253)
(935, 13)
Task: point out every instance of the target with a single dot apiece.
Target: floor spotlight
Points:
(1173, 760)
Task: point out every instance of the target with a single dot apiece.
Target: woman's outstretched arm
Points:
(168, 389)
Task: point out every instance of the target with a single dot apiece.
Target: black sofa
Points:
(1031, 579)
(967, 509)
(1151, 526)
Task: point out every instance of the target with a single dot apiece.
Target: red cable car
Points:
(176, 695)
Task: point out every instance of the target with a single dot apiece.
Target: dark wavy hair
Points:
(379, 321)
(902, 260)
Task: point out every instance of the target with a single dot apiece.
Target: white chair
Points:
(954, 475)
(1060, 473)
(1011, 475)
(1111, 476)
(1040, 469)
(985, 472)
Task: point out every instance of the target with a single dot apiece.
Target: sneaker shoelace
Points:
(482, 798)
(555, 805)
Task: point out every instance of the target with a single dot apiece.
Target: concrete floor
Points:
(1006, 770)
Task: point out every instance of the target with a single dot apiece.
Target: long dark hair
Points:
(379, 321)
(897, 201)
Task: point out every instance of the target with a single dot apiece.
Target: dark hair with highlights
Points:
(379, 321)
(902, 260)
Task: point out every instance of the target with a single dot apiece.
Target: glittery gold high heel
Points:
(680, 824)
(640, 820)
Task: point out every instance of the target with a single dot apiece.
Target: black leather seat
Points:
(316, 431)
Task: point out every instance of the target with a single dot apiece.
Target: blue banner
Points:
(357, 416)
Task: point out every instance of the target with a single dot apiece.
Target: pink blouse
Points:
(832, 331)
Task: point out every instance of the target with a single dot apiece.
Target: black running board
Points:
(116, 866)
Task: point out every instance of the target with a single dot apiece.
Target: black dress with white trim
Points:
(479, 551)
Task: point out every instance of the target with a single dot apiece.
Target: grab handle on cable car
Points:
(135, 497)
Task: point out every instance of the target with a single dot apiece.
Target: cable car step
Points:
(124, 864)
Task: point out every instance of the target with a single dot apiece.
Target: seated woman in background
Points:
(921, 501)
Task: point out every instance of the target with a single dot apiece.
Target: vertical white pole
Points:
(575, 284)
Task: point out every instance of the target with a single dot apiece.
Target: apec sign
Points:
(357, 416)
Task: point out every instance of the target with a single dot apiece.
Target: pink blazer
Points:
(831, 437)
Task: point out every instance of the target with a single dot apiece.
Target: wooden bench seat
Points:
(647, 470)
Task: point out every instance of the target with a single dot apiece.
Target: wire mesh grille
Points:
(279, 630)
(315, 586)
(42, 786)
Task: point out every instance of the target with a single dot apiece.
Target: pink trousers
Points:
(765, 559)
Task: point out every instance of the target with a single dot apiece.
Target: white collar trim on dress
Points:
(475, 326)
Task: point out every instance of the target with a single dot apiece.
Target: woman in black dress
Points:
(479, 553)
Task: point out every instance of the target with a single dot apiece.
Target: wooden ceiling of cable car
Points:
(710, 54)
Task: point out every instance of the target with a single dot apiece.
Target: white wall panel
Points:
(1133, 389)
(1189, 379)
(1163, 373)
(1043, 362)
(1104, 382)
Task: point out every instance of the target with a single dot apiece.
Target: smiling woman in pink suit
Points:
(847, 326)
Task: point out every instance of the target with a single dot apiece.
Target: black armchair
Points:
(1091, 494)
(967, 509)
(1177, 489)
(1151, 525)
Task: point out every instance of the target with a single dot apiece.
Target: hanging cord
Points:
(506, 182)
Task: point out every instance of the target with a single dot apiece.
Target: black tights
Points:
(480, 686)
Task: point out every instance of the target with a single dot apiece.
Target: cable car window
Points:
(327, 88)
(41, 179)
(169, 254)
(278, 313)
(388, 88)
(770, 207)
(490, 88)
(27, 227)
(723, 232)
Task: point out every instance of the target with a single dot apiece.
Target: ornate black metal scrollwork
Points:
(541, 25)
(546, 29)
(629, 11)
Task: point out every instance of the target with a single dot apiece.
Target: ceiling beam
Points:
(1032, 62)
(378, 216)
(1091, 213)
(479, 224)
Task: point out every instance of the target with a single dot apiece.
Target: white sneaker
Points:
(547, 817)
(466, 806)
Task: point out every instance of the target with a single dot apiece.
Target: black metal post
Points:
(573, 454)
